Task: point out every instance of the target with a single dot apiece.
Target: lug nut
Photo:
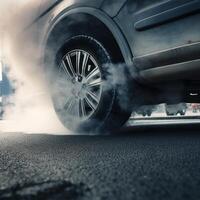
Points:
(80, 78)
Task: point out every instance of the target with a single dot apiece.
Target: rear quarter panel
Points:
(179, 32)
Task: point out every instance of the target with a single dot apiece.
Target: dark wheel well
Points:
(85, 24)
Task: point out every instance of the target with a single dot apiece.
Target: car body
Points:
(158, 39)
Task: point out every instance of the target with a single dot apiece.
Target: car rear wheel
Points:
(84, 96)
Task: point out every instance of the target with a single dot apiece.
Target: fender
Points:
(59, 13)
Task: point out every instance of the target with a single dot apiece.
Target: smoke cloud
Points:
(29, 109)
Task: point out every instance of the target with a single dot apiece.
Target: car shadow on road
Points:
(160, 129)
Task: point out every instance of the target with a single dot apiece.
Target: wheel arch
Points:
(71, 20)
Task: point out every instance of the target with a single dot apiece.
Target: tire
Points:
(97, 111)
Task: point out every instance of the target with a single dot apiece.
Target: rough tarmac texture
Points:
(82, 167)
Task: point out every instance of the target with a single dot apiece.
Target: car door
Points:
(162, 32)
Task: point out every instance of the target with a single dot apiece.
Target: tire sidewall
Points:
(98, 119)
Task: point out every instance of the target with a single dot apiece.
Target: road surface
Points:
(137, 165)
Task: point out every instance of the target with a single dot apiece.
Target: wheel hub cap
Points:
(83, 79)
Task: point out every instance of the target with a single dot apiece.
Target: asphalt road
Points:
(137, 165)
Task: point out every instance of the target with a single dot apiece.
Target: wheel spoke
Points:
(70, 65)
(68, 104)
(84, 64)
(78, 57)
(77, 109)
(92, 74)
(96, 82)
(74, 109)
(93, 96)
(82, 107)
(64, 67)
(90, 103)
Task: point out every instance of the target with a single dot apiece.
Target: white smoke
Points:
(29, 108)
